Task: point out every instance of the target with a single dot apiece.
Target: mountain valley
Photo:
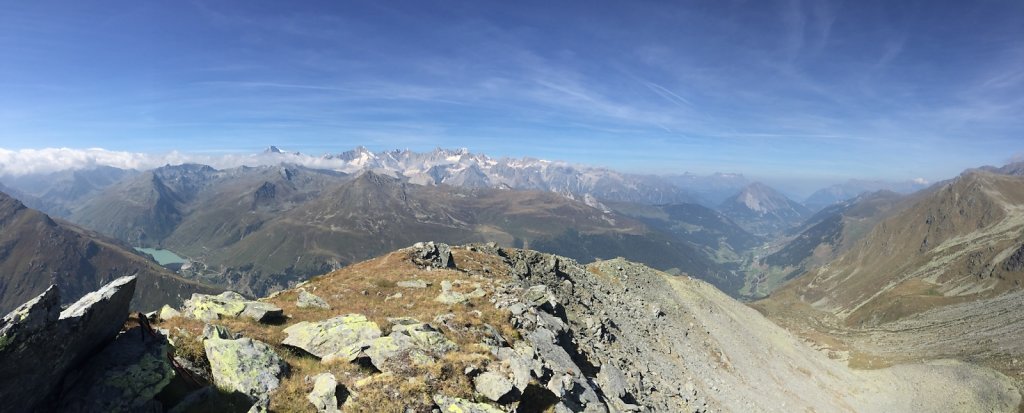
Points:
(859, 298)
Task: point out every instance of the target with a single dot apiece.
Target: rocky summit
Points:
(529, 332)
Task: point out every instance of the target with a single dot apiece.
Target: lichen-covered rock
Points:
(125, 376)
(343, 336)
(39, 343)
(244, 365)
(416, 344)
(310, 300)
(229, 304)
(262, 312)
(537, 296)
(433, 254)
(167, 313)
(457, 405)
(493, 386)
(325, 393)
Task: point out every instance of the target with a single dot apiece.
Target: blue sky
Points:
(786, 90)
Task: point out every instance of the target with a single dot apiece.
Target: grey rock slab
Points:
(39, 343)
(416, 344)
(612, 381)
(310, 300)
(228, 304)
(493, 386)
(413, 284)
(343, 336)
(247, 366)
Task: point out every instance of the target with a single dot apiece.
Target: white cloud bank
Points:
(33, 161)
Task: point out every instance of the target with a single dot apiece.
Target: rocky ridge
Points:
(531, 332)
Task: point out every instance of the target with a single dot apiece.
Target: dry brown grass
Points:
(362, 288)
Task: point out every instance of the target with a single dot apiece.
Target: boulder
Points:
(343, 336)
(167, 313)
(262, 312)
(567, 380)
(126, 376)
(612, 381)
(493, 386)
(325, 393)
(39, 343)
(455, 404)
(413, 284)
(537, 296)
(432, 254)
(408, 344)
(244, 365)
(229, 304)
(310, 300)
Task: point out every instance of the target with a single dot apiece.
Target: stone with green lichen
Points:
(247, 366)
(167, 313)
(125, 376)
(325, 393)
(415, 344)
(41, 343)
(343, 336)
(228, 304)
(310, 300)
(457, 405)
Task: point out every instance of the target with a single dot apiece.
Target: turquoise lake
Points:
(163, 257)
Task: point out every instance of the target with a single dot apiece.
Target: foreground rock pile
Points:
(453, 329)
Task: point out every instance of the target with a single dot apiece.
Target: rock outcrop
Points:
(343, 336)
(126, 376)
(408, 344)
(39, 344)
(229, 304)
(244, 365)
(433, 254)
(310, 300)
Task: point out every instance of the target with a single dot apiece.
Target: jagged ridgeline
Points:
(477, 328)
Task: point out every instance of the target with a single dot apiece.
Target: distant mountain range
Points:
(236, 224)
(465, 169)
(257, 229)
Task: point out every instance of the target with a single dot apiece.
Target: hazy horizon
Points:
(47, 160)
